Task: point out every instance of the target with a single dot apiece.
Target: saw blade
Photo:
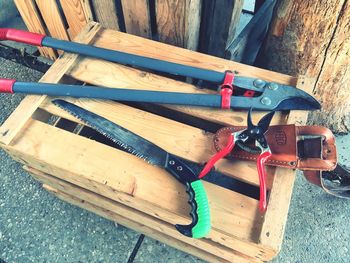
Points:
(127, 140)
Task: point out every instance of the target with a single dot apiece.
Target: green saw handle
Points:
(200, 212)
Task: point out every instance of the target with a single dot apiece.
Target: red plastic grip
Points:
(262, 179)
(227, 90)
(21, 36)
(6, 85)
(225, 151)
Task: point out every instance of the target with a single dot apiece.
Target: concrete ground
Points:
(37, 227)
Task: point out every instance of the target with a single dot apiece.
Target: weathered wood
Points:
(275, 219)
(19, 118)
(126, 213)
(31, 18)
(106, 13)
(313, 39)
(137, 17)
(53, 20)
(178, 22)
(246, 45)
(219, 22)
(75, 15)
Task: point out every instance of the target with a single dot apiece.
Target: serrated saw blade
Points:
(127, 140)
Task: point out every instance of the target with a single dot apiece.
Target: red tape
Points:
(6, 85)
(227, 90)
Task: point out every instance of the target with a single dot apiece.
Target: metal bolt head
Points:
(266, 101)
(171, 162)
(179, 168)
(259, 83)
(273, 86)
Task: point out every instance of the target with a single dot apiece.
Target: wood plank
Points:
(131, 215)
(190, 143)
(231, 228)
(276, 215)
(137, 17)
(136, 45)
(178, 22)
(52, 17)
(19, 118)
(246, 45)
(31, 18)
(219, 26)
(75, 15)
(106, 13)
(85, 4)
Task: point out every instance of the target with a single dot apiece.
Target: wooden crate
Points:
(122, 187)
(184, 23)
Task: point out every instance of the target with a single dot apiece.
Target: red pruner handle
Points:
(262, 179)
(6, 85)
(225, 151)
(21, 36)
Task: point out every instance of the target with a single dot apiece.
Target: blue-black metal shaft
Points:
(206, 100)
(135, 60)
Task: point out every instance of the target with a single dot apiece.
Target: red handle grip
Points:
(262, 179)
(225, 151)
(6, 85)
(21, 36)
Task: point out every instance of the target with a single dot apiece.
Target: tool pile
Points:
(308, 148)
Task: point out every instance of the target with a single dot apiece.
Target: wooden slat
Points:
(87, 10)
(106, 13)
(131, 215)
(31, 18)
(247, 44)
(137, 45)
(137, 17)
(231, 227)
(219, 25)
(190, 143)
(178, 22)
(27, 107)
(52, 17)
(276, 215)
(75, 15)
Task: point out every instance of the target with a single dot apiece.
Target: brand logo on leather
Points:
(280, 137)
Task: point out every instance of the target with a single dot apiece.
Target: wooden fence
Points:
(204, 25)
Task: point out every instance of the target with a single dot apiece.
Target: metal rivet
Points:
(259, 83)
(179, 168)
(171, 162)
(266, 101)
(273, 86)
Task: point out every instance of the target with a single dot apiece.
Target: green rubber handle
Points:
(200, 213)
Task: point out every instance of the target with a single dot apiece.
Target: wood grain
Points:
(137, 17)
(31, 18)
(130, 215)
(275, 219)
(129, 183)
(19, 118)
(219, 25)
(53, 20)
(178, 22)
(75, 15)
(106, 13)
(313, 39)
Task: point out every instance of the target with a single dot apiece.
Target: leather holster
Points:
(296, 147)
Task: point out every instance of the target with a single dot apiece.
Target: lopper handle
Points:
(21, 36)
(6, 85)
(200, 211)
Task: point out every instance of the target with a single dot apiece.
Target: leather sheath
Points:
(296, 147)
